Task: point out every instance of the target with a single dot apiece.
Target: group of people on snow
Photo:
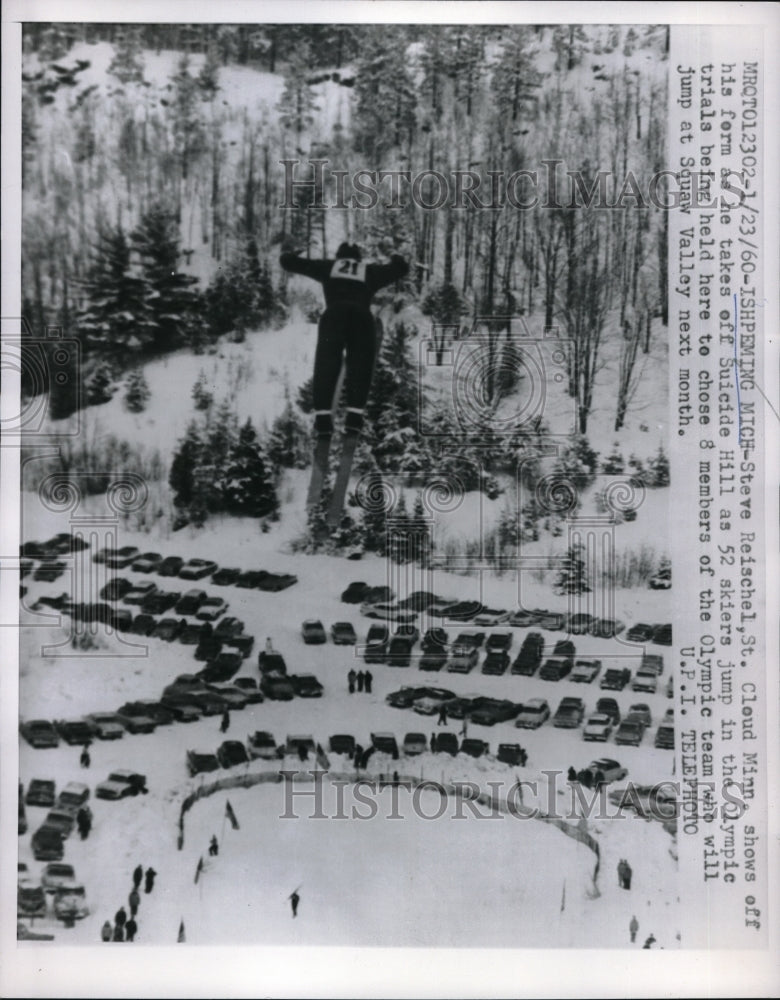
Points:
(360, 681)
(125, 928)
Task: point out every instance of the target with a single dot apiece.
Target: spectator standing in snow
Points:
(649, 942)
(294, 900)
(131, 929)
(360, 680)
(138, 875)
(571, 775)
(85, 759)
(621, 873)
(225, 724)
(150, 876)
(213, 846)
(120, 917)
(134, 901)
(433, 742)
(119, 934)
(351, 678)
(523, 756)
(627, 873)
(442, 716)
(106, 931)
(633, 927)
(369, 680)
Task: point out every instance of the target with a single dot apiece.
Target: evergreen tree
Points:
(288, 444)
(138, 393)
(614, 464)
(241, 296)
(658, 468)
(399, 542)
(572, 578)
(187, 126)
(200, 393)
(305, 398)
(374, 517)
(208, 78)
(392, 408)
(249, 487)
(385, 98)
(420, 533)
(186, 459)
(99, 384)
(128, 62)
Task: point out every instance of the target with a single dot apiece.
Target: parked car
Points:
(491, 616)
(226, 576)
(296, 743)
(39, 733)
(432, 700)
(170, 566)
(115, 589)
(62, 820)
(49, 570)
(462, 707)
(148, 562)
(522, 619)
(343, 634)
(189, 603)
(209, 647)
(376, 644)
(70, 902)
(355, 593)
(271, 663)
(261, 745)
(662, 580)
(47, 843)
(501, 641)
(342, 743)
(550, 621)
(642, 712)
(191, 633)
(555, 668)
(608, 706)
(306, 686)
(415, 743)
(228, 628)
(209, 702)
(435, 640)
(181, 711)
(598, 728)
(640, 633)
(388, 612)
(664, 737)
(585, 671)
(496, 663)
(139, 593)
(645, 679)
(168, 629)
(122, 619)
(433, 660)
(662, 635)
(73, 796)
(243, 644)
(249, 686)
(120, 558)
(121, 784)
(30, 901)
(385, 743)
(654, 662)
(277, 687)
(211, 609)
(201, 763)
(313, 632)
(55, 874)
(493, 710)
(462, 659)
(615, 679)
(420, 600)
(533, 714)
(447, 743)
(569, 714)
(408, 631)
(75, 732)
(405, 697)
(249, 579)
(399, 652)
(610, 770)
(607, 628)
(461, 611)
(474, 747)
(143, 624)
(530, 655)
(578, 623)
(135, 720)
(510, 753)
(197, 569)
(40, 792)
(274, 582)
(232, 752)
(629, 733)
(471, 640)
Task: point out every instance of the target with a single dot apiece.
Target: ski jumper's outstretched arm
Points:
(316, 269)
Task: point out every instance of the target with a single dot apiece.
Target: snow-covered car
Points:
(75, 732)
(662, 580)
(433, 659)
(232, 752)
(432, 701)
(342, 743)
(496, 663)
(641, 632)
(493, 710)
(550, 621)
(106, 725)
(421, 600)
(274, 582)
(415, 743)
(147, 562)
(197, 569)
(654, 662)
(471, 640)
(40, 792)
(606, 628)
(355, 593)
(47, 843)
(226, 576)
(555, 668)
(30, 901)
(116, 588)
(168, 629)
(55, 874)
(39, 733)
(201, 763)
(461, 611)
(569, 714)
(236, 699)
(143, 624)
(447, 743)
(578, 623)
(642, 713)
(211, 609)
(522, 618)
(119, 558)
(533, 714)
(662, 635)
(70, 902)
(609, 707)
(530, 655)
(388, 612)
(190, 602)
(462, 659)
(473, 747)
(399, 651)
(139, 593)
(249, 686)
(629, 733)
(608, 769)
(306, 685)
(615, 679)
(343, 634)
(121, 784)
(181, 711)
(277, 687)
(261, 745)
(585, 671)
(376, 644)
(73, 796)
(135, 720)
(646, 680)
(501, 641)
(405, 697)
(664, 736)
(229, 627)
(510, 753)
(170, 566)
(385, 743)
(243, 644)
(491, 616)
(192, 633)
(49, 570)
(296, 743)
(62, 820)
(598, 728)
(313, 632)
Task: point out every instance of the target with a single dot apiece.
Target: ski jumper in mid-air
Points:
(346, 327)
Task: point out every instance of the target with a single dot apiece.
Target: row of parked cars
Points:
(59, 884)
(602, 724)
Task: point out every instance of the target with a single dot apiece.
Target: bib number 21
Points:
(352, 270)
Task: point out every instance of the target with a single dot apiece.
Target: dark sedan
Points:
(231, 753)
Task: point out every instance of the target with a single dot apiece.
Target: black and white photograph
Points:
(389, 575)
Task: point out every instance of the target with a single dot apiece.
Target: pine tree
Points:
(186, 459)
(383, 115)
(614, 464)
(99, 384)
(374, 516)
(128, 62)
(186, 122)
(288, 444)
(249, 487)
(208, 78)
(305, 399)
(420, 533)
(399, 545)
(138, 393)
(572, 578)
(200, 393)
(658, 468)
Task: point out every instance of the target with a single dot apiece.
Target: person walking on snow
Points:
(360, 680)
(138, 874)
(150, 876)
(368, 679)
(134, 901)
(225, 724)
(351, 678)
(633, 927)
(120, 917)
(621, 873)
(649, 942)
(85, 759)
(213, 846)
(442, 716)
(294, 900)
(119, 934)
(627, 873)
(345, 327)
(106, 931)
(131, 929)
